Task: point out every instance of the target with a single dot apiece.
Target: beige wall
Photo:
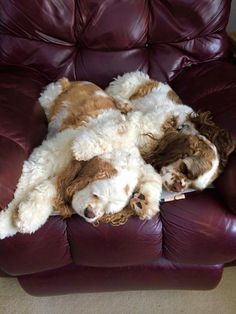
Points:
(232, 19)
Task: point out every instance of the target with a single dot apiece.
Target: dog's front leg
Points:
(101, 140)
(7, 227)
(31, 213)
(88, 145)
(34, 211)
(44, 162)
(146, 199)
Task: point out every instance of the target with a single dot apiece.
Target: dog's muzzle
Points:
(88, 213)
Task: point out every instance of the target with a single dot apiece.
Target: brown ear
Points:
(196, 166)
(75, 177)
(172, 147)
(97, 169)
(62, 201)
(92, 170)
(221, 138)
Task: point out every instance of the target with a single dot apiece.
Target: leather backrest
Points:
(98, 39)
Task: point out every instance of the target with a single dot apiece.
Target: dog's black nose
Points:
(88, 213)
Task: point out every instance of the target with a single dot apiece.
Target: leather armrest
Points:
(226, 183)
(212, 86)
(23, 124)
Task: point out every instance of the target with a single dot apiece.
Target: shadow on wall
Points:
(232, 20)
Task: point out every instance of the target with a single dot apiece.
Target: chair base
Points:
(159, 275)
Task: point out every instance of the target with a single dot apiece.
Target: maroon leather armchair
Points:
(181, 42)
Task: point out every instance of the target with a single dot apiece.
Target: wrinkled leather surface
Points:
(96, 40)
(48, 248)
(198, 230)
(159, 275)
(23, 124)
(210, 86)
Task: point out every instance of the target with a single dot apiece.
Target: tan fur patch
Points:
(65, 83)
(83, 102)
(117, 219)
(62, 202)
(144, 89)
(170, 123)
(202, 158)
(126, 189)
(174, 97)
(95, 169)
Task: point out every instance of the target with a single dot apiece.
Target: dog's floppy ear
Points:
(62, 201)
(92, 170)
(221, 138)
(196, 166)
(75, 177)
(172, 147)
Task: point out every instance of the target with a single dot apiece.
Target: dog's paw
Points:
(23, 224)
(7, 228)
(143, 207)
(124, 106)
(28, 218)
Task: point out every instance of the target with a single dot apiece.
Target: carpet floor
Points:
(221, 300)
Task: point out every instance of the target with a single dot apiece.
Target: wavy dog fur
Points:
(221, 138)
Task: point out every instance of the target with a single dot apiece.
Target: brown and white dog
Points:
(105, 182)
(188, 149)
(53, 178)
(193, 156)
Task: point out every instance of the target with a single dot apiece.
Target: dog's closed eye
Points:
(182, 127)
(186, 171)
(183, 169)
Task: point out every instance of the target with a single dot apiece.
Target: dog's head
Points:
(192, 156)
(80, 188)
